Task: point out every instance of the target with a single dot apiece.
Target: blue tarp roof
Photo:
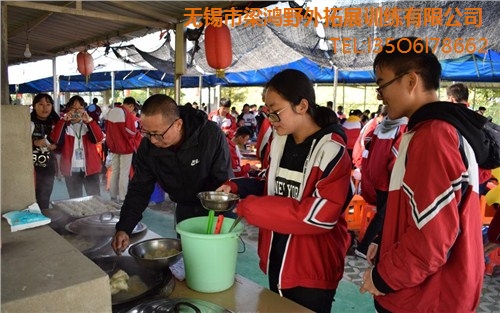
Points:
(469, 68)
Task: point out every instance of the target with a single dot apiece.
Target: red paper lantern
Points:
(218, 48)
(85, 63)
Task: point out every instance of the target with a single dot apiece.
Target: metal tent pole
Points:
(112, 89)
(335, 82)
(55, 86)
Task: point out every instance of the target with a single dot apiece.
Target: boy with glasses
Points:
(430, 254)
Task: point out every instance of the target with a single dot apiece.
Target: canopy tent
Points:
(473, 68)
(469, 68)
(259, 52)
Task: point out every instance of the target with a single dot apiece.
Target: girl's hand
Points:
(224, 188)
(40, 143)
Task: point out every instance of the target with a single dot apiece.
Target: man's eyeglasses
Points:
(379, 89)
(158, 137)
(274, 117)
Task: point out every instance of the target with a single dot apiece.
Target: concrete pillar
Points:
(5, 99)
(18, 181)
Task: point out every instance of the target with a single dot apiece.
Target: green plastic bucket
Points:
(209, 259)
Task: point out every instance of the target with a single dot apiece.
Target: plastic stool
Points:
(494, 260)
(369, 212)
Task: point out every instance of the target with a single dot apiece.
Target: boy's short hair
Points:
(129, 100)
(401, 57)
(459, 92)
(224, 102)
(242, 131)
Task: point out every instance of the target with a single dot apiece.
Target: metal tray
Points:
(87, 245)
(86, 206)
(99, 225)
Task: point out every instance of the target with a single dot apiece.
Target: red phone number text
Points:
(349, 45)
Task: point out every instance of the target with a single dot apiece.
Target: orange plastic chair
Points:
(487, 211)
(354, 213)
(494, 261)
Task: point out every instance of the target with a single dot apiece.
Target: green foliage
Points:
(237, 95)
(488, 98)
(139, 95)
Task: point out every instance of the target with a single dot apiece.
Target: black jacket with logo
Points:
(201, 163)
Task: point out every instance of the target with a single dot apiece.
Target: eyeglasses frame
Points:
(379, 89)
(158, 137)
(276, 115)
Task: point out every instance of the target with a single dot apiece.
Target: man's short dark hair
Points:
(224, 102)
(424, 63)
(161, 104)
(482, 109)
(459, 92)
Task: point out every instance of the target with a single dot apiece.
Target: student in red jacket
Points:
(77, 134)
(299, 207)
(431, 251)
(379, 158)
(121, 132)
(264, 137)
(223, 118)
(240, 138)
(359, 145)
(352, 128)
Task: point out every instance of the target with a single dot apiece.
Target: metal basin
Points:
(148, 252)
(218, 201)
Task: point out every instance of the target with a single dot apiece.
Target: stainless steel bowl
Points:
(218, 201)
(144, 250)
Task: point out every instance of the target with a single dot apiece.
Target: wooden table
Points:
(244, 296)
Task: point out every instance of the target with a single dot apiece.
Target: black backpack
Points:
(482, 135)
(491, 132)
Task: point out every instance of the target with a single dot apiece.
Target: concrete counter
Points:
(42, 272)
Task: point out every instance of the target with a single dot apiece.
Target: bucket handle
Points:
(243, 244)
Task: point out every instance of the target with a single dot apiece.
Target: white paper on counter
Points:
(28, 218)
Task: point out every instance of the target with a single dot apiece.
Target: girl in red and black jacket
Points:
(299, 206)
(77, 135)
(43, 119)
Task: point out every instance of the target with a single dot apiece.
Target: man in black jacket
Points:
(184, 152)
